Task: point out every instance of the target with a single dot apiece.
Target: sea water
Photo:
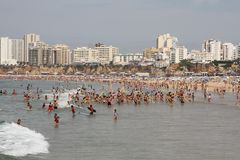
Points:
(193, 131)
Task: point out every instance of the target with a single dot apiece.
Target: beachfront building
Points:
(126, 59)
(228, 50)
(6, 56)
(166, 41)
(237, 51)
(106, 53)
(179, 54)
(167, 44)
(150, 53)
(17, 47)
(4, 50)
(214, 47)
(201, 57)
(30, 38)
(85, 55)
(61, 54)
(40, 53)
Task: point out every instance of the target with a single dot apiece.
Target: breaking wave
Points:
(16, 140)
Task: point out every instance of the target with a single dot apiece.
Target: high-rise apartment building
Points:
(61, 54)
(17, 49)
(11, 50)
(214, 47)
(40, 53)
(228, 50)
(166, 41)
(180, 54)
(106, 53)
(29, 39)
(6, 51)
(237, 52)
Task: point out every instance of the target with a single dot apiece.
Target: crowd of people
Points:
(129, 91)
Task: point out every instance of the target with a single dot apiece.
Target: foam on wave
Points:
(16, 140)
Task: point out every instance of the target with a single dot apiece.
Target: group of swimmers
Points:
(5, 92)
(136, 92)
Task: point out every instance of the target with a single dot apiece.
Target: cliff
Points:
(174, 69)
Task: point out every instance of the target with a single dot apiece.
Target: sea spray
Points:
(63, 98)
(16, 140)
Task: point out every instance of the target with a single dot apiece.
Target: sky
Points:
(131, 25)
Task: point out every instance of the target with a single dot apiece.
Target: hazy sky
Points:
(131, 25)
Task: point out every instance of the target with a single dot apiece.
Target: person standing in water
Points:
(73, 110)
(14, 92)
(19, 121)
(56, 120)
(209, 97)
(91, 109)
(29, 106)
(115, 114)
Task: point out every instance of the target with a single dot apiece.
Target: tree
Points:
(186, 63)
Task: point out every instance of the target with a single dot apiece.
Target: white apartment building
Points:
(4, 49)
(85, 55)
(17, 46)
(228, 50)
(62, 54)
(166, 41)
(214, 47)
(201, 57)
(6, 56)
(106, 53)
(30, 38)
(237, 51)
(125, 59)
(180, 54)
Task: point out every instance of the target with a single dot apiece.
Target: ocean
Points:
(193, 131)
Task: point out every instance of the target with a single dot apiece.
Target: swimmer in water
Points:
(14, 92)
(19, 121)
(55, 104)
(50, 107)
(56, 119)
(43, 106)
(115, 114)
(46, 97)
(73, 110)
(29, 106)
(91, 109)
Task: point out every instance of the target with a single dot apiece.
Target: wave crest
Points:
(16, 140)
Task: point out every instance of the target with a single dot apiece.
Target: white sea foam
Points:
(18, 141)
(63, 98)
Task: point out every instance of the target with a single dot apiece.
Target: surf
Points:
(19, 141)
